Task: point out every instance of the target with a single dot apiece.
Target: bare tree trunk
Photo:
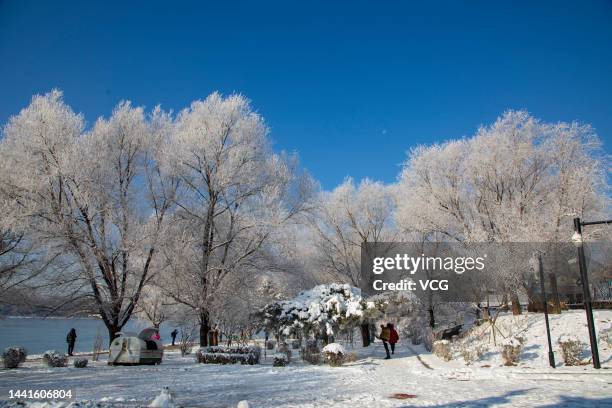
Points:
(555, 293)
(365, 334)
(432, 318)
(516, 305)
(204, 328)
(112, 332)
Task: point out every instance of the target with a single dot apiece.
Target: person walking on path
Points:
(71, 339)
(393, 337)
(384, 335)
(173, 334)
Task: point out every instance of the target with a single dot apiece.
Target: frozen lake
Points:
(38, 335)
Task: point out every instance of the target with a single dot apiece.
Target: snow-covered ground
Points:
(368, 382)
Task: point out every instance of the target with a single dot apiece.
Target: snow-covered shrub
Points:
(572, 349)
(280, 360)
(311, 353)
(442, 349)
(53, 358)
(324, 309)
(12, 357)
(334, 354)
(605, 335)
(511, 348)
(284, 349)
(296, 344)
(80, 362)
(428, 338)
(471, 351)
(270, 344)
(229, 355)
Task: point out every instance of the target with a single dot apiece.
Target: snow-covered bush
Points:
(12, 357)
(428, 338)
(311, 353)
(296, 344)
(270, 344)
(53, 358)
(324, 309)
(442, 349)
(280, 360)
(511, 348)
(605, 335)
(284, 349)
(229, 355)
(334, 354)
(471, 351)
(572, 349)
(80, 362)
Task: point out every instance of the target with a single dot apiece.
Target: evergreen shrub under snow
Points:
(229, 355)
(296, 344)
(12, 357)
(53, 358)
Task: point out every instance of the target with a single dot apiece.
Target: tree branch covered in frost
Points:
(344, 219)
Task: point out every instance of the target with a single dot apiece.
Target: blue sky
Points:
(351, 86)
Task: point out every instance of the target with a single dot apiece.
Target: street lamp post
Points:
(577, 238)
(551, 355)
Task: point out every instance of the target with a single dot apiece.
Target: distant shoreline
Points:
(96, 317)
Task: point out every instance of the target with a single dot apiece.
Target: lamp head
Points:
(577, 239)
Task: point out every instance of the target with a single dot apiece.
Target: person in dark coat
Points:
(393, 337)
(71, 339)
(173, 334)
(384, 336)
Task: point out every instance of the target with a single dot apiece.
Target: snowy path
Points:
(369, 382)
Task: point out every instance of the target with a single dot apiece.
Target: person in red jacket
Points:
(393, 337)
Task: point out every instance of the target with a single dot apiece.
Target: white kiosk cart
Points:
(131, 349)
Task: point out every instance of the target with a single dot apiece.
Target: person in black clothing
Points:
(71, 339)
(173, 334)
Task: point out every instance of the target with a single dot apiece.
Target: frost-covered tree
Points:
(98, 196)
(518, 180)
(347, 217)
(235, 193)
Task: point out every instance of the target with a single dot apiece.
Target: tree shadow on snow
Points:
(493, 401)
(481, 402)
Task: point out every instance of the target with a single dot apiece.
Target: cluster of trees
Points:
(194, 216)
(517, 180)
(140, 200)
